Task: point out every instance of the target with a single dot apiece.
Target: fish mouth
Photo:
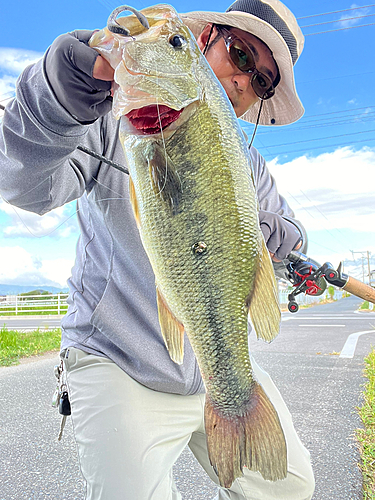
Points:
(152, 119)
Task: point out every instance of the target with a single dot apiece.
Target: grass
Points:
(366, 306)
(15, 345)
(366, 436)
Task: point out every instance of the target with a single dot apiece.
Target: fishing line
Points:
(28, 229)
(120, 197)
(162, 138)
(162, 133)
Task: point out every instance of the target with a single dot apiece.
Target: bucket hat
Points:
(276, 26)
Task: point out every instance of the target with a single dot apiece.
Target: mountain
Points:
(17, 289)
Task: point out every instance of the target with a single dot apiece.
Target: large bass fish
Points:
(195, 204)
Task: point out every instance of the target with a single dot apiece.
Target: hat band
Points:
(266, 13)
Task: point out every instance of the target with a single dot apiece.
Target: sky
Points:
(324, 164)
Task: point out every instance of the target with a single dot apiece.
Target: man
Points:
(133, 409)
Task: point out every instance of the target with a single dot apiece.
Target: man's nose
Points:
(242, 81)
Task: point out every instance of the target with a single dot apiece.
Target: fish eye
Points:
(177, 41)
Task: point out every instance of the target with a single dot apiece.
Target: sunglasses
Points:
(242, 57)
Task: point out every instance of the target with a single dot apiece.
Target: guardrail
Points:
(56, 304)
(33, 304)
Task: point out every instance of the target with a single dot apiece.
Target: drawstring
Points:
(208, 39)
(257, 123)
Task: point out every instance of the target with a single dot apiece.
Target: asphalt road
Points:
(26, 323)
(321, 389)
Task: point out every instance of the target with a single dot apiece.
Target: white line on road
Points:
(339, 316)
(351, 344)
(315, 325)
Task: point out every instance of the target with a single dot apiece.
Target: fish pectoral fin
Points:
(263, 301)
(171, 329)
(165, 180)
(134, 202)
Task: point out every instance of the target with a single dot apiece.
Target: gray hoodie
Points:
(112, 301)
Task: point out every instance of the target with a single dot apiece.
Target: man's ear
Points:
(203, 37)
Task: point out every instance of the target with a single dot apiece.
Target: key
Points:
(64, 410)
(62, 425)
(64, 404)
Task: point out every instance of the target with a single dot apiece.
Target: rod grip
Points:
(360, 289)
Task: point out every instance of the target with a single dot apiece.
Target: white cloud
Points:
(18, 266)
(333, 196)
(346, 172)
(347, 20)
(13, 61)
(58, 223)
(7, 87)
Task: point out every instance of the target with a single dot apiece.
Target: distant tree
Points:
(331, 291)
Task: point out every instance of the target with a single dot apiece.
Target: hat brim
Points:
(285, 106)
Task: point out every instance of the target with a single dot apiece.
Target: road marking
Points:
(351, 343)
(339, 316)
(315, 325)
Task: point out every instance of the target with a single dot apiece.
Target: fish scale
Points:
(196, 209)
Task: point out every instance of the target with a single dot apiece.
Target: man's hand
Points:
(103, 70)
(281, 236)
(80, 78)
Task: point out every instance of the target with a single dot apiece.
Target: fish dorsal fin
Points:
(165, 180)
(263, 301)
(134, 202)
(172, 330)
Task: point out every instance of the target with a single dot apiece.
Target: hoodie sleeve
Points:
(40, 168)
(270, 200)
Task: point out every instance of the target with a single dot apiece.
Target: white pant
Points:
(129, 437)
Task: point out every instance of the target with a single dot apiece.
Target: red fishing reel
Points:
(310, 278)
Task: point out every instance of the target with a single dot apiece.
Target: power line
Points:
(336, 77)
(337, 21)
(337, 11)
(327, 119)
(339, 29)
(320, 139)
(341, 111)
(6, 93)
(319, 147)
(321, 213)
(312, 216)
(324, 122)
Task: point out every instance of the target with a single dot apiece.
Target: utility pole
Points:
(368, 267)
(363, 265)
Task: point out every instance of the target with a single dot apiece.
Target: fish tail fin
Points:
(263, 302)
(254, 439)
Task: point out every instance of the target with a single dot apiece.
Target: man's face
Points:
(236, 83)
